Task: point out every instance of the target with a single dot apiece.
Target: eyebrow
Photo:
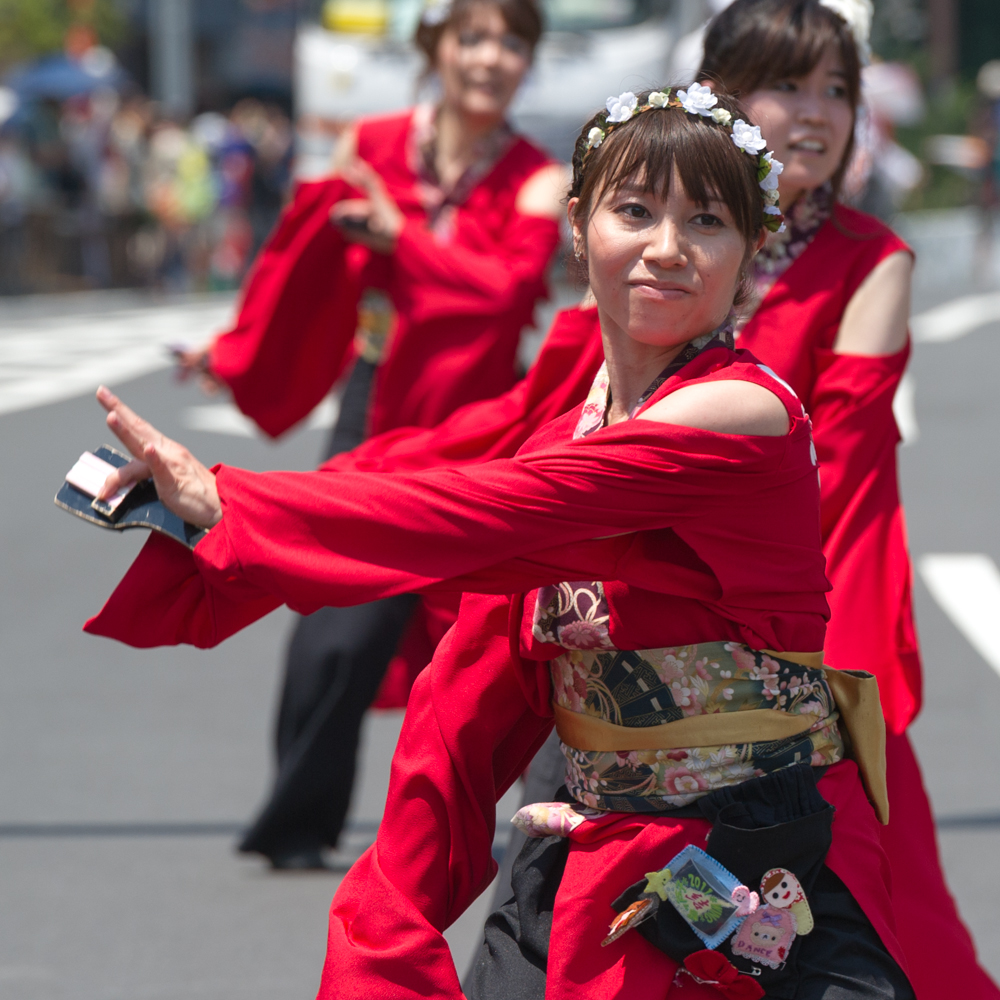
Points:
(633, 189)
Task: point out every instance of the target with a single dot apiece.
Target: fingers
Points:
(128, 426)
(134, 472)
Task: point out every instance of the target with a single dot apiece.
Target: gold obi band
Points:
(855, 693)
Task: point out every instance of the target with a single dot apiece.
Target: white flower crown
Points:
(700, 101)
(435, 12)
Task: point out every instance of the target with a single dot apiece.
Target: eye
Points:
(785, 86)
(633, 210)
(707, 220)
(515, 44)
(837, 91)
(784, 885)
(470, 38)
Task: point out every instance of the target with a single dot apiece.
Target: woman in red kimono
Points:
(830, 317)
(444, 222)
(683, 495)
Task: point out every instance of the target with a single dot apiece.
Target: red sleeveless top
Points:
(849, 399)
(461, 298)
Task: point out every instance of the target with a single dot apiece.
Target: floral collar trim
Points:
(434, 196)
(595, 409)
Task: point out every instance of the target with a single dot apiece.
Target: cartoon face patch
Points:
(781, 889)
(766, 937)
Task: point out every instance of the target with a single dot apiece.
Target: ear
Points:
(761, 240)
(579, 236)
(708, 83)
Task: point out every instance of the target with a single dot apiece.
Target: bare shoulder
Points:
(543, 192)
(876, 319)
(345, 150)
(727, 407)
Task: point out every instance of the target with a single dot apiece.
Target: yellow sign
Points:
(368, 17)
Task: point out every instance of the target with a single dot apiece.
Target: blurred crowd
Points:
(100, 191)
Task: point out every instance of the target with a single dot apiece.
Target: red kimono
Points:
(462, 294)
(849, 399)
(698, 535)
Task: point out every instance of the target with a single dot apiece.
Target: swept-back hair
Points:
(754, 43)
(522, 17)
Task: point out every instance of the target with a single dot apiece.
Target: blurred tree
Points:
(30, 28)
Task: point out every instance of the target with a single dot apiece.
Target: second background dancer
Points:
(444, 222)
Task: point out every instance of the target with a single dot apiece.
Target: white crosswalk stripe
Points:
(44, 360)
(967, 587)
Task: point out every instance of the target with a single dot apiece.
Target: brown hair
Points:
(754, 43)
(522, 17)
(649, 146)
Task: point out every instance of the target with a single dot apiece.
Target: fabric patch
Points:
(766, 937)
(701, 891)
(549, 819)
(781, 889)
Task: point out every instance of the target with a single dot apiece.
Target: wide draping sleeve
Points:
(453, 279)
(316, 539)
(864, 531)
(297, 315)
(495, 428)
(472, 725)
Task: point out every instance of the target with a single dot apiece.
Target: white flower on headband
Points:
(620, 108)
(594, 138)
(748, 137)
(697, 100)
(858, 16)
(721, 115)
(658, 99)
(436, 12)
(772, 210)
(770, 181)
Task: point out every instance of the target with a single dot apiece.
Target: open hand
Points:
(184, 485)
(194, 362)
(374, 220)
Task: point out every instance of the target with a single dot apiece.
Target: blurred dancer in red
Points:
(444, 222)
(682, 498)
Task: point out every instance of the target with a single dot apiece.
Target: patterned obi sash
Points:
(600, 692)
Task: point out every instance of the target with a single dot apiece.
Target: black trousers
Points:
(335, 663)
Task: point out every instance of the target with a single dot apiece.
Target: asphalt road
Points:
(127, 774)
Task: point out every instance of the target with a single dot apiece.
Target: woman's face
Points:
(663, 271)
(807, 121)
(481, 63)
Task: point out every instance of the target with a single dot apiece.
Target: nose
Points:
(487, 52)
(812, 109)
(666, 248)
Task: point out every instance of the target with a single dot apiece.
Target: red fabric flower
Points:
(710, 968)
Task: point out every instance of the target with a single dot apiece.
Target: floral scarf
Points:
(440, 202)
(802, 222)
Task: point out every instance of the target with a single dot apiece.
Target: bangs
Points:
(710, 166)
(755, 43)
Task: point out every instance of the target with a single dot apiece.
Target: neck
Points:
(457, 136)
(631, 366)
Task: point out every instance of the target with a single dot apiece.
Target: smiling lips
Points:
(809, 145)
(663, 287)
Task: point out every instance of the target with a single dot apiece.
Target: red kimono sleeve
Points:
(314, 539)
(297, 316)
(558, 381)
(871, 626)
(472, 726)
(448, 279)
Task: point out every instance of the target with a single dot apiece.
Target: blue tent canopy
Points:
(59, 77)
